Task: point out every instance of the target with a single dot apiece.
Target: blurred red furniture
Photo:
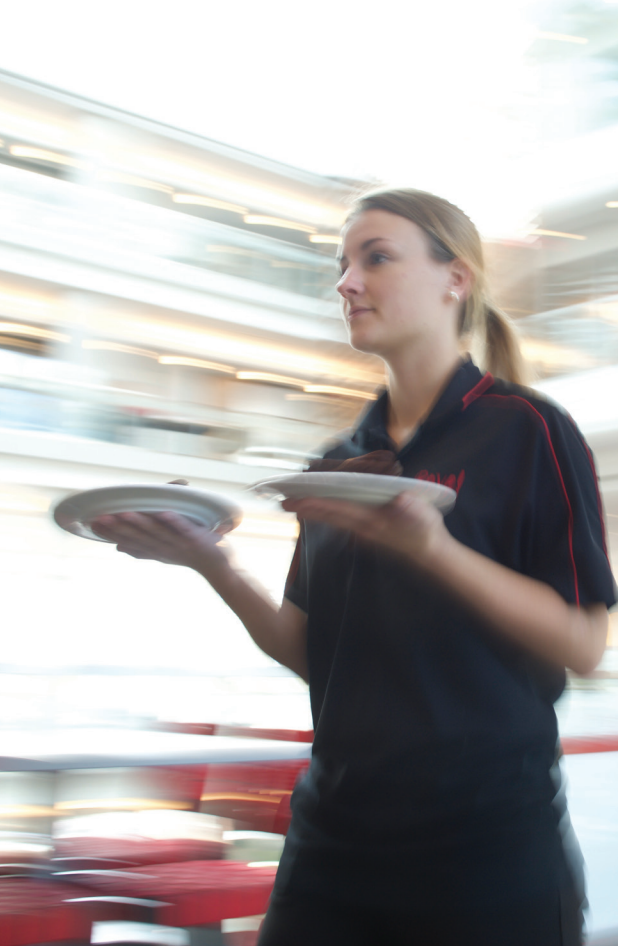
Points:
(83, 853)
(224, 729)
(195, 893)
(577, 745)
(35, 911)
(255, 795)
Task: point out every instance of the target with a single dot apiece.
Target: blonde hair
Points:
(452, 235)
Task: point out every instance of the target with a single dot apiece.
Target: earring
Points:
(454, 295)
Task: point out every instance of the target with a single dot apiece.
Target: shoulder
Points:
(519, 400)
(545, 420)
(521, 397)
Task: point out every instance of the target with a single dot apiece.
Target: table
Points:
(55, 774)
(63, 749)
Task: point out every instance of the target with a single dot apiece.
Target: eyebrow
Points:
(365, 245)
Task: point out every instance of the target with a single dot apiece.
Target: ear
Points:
(460, 279)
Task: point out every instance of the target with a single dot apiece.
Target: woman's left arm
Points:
(523, 609)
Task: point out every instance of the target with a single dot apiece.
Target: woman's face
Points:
(394, 293)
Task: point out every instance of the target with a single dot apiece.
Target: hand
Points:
(406, 526)
(163, 537)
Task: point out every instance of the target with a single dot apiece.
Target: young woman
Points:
(434, 647)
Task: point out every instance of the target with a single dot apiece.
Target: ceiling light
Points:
(242, 189)
(563, 37)
(256, 353)
(40, 154)
(194, 363)
(200, 201)
(261, 221)
(612, 203)
(130, 804)
(301, 396)
(119, 177)
(325, 238)
(32, 331)
(342, 392)
(556, 233)
(24, 811)
(97, 345)
(270, 378)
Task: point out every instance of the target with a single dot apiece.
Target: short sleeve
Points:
(566, 541)
(296, 581)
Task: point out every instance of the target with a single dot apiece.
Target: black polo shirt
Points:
(432, 730)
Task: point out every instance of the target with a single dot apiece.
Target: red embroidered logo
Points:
(452, 481)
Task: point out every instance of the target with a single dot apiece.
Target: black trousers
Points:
(553, 919)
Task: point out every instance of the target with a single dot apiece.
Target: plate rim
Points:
(231, 512)
(428, 485)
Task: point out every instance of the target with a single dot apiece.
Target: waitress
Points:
(434, 647)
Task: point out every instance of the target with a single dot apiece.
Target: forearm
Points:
(520, 608)
(279, 632)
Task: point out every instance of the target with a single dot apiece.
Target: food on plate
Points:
(382, 462)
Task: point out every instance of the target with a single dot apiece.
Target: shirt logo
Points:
(451, 480)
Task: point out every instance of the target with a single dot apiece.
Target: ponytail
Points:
(502, 354)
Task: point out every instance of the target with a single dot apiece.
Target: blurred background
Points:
(173, 179)
(167, 301)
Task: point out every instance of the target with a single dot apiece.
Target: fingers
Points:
(142, 525)
(163, 537)
(139, 535)
(362, 519)
(403, 526)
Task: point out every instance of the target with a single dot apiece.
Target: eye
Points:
(376, 258)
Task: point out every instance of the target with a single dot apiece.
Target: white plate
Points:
(76, 512)
(371, 488)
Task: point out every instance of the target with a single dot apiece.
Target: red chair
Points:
(34, 911)
(236, 729)
(110, 853)
(169, 827)
(255, 795)
(576, 745)
(254, 732)
(193, 893)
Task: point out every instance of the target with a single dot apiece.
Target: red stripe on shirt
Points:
(486, 382)
(539, 417)
(596, 486)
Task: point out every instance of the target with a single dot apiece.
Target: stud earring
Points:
(454, 295)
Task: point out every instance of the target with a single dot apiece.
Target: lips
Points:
(357, 310)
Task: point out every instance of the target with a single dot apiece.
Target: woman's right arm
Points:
(166, 537)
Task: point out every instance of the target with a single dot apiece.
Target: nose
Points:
(350, 285)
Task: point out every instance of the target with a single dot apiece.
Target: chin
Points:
(362, 341)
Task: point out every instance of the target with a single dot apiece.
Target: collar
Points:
(465, 385)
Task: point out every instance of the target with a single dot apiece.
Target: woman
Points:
(434, 648)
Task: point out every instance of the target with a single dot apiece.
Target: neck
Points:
(415, 385)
